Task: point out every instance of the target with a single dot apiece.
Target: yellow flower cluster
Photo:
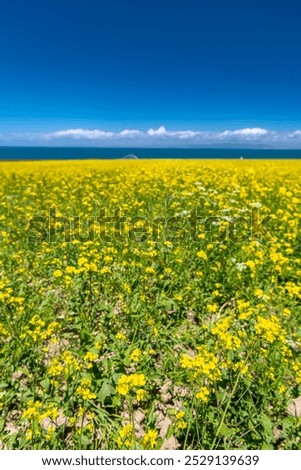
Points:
(127, 382)
(229, 341)
(204, 364)
(3, 330)
(125, 437)
(84, 390)
(203, 394)
(269, 329)
(180, 422)
(35, 411)
(66, 364)
(135, 355)
(38, 331)
(149, 439)
(89, 358)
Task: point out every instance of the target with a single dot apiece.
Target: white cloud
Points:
(242, 133)
(295, 134)
(187, 134)
(81, 134)
(130, 133)
(161, 131)
(247, 132)
(249, 136)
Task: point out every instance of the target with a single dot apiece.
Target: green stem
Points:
(189, 423)
(225, 411)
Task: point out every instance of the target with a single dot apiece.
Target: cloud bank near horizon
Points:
(249, 136)
(160, 134)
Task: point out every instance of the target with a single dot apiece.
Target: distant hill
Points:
(130, 156)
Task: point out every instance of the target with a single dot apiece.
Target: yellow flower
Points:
(126, 287)
(150, 270)
(180, 423)
(204, 364)
(212, 308)
(55, 368)
(125, 436)
(33, 410)
(83, 391)
(121, 336)
(82, 260)
(28, 435)
(251, 265)
(135, 355)
(50, 432)
(281, 389)
(137, 379)
(68, 280)
(241, 366)
(57, 273)
(140, 394)
(89, 358)
(150, 439)
(53, 412)
(127, 382)
(201, 254)
(180, 414)
(155, 331)
(3, 330)
(70, 361)
(203, 394)
(269, 328)
(286, 312)
(123, 386)
(179, 297)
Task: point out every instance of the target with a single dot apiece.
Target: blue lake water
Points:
(71, 153)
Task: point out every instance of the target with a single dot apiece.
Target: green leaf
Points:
(170, 431)
(267, 424)
(85, 441)
(106, 391)
(126, 362)
(211, 417)
(266, 446)
(225, 431)
(2, 422)
(45, 383)
(287, 424)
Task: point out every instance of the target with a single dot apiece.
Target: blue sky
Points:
(159, 72)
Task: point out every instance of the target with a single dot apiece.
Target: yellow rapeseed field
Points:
(150, 304)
